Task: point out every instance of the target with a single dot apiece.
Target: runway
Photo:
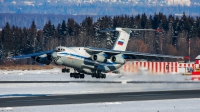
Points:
(100, 81)
(96, 98)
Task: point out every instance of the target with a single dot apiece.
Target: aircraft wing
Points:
(148, 56)
(91, 50)
(132, 55)
(31, 55)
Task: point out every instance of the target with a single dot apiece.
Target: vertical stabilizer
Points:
(122, 40)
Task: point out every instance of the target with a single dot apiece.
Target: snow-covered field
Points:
(83, 88)
(56, 75)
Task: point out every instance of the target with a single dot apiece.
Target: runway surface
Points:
(96, 98)
(101, 81)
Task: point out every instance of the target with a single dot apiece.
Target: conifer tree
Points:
(7, 40)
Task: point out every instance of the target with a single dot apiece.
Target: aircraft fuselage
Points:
(80, 60)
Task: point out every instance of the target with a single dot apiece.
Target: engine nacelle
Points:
(99, 58)
(117, 59)
(44, 59)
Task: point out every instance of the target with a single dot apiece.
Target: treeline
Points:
(172, 39)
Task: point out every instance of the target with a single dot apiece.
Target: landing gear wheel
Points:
(98, 75)
(82, 76)
(77, 75)
(63, 70)
(93, 75)
(71, 75)
(103, 76)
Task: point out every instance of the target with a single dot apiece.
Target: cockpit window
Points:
(60, 49)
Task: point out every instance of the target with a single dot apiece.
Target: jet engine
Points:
(99, 58)
(44, 59)
(117, 59)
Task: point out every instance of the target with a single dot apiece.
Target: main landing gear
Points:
(99, 75)
(77, 75)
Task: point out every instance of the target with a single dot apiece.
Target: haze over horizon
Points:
(58, 10)
(100, 7)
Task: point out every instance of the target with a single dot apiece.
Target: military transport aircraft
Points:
(94, 61)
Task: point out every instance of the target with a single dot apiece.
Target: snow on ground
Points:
(56, 75)
(174, 105)
(83, 88)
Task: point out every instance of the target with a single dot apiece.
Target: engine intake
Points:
(117, 59)
(99, 58)
(44, 59)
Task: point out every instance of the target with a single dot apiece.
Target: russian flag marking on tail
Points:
(122, 39)
(120, 42)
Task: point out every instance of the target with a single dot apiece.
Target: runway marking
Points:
(145, 95)
(43, 99)
(52, 99)
(19, 100)
(88, 91)
(111, 103)
(37, 100)
(21, 95)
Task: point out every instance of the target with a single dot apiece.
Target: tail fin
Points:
(124, 34)
(122, 40)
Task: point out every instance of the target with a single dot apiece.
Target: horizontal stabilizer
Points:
(125, 29)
